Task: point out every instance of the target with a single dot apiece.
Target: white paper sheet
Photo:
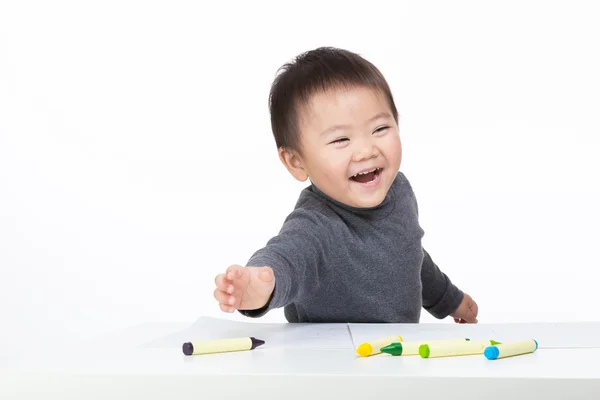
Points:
(275, 335)
(362, 333)
(349, 336)
(548, 335)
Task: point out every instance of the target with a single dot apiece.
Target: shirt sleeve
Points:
(440, 296)
(297, 256)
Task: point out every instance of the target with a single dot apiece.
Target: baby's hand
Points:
(466, 313)
(244, 288)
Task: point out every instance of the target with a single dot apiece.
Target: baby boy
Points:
(351, 250)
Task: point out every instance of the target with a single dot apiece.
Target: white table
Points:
(123, 368)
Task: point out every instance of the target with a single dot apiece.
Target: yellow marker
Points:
(220, 346)
(374, 347)
(454, 348)
(412, 348)
(510, 349)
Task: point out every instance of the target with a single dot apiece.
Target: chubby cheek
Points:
(393, 152)
(337, 165)
(333, 167)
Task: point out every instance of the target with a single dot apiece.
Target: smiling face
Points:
(350, 146)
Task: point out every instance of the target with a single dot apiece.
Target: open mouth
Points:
(366, 177)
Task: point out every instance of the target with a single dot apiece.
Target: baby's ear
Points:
(293, 162)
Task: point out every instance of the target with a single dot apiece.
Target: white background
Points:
(137, 161)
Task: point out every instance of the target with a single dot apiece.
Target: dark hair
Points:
(316, 71)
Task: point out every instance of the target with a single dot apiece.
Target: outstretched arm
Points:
(288, 269)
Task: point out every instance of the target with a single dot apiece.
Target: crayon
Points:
(510, 349)
(453, 349)
(412, 348)
(220, 345)
(374, 347)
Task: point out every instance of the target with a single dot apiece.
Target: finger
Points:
(470, 318)
(234, 272)
(457, 320)
(224, 298)
(226, 308)
(474, 309)
(472, 313)
(223, 284)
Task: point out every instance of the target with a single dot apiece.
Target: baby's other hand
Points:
(244, 288)
(466, 313)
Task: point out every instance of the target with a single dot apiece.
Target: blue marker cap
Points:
(491, 352)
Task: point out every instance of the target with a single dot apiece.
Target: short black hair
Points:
(317, 71)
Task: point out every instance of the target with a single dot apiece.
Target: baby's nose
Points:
(365, 151)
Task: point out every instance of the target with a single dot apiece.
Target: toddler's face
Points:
(351, 147)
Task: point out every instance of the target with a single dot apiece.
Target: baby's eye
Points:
(341, 140)
(381, 129)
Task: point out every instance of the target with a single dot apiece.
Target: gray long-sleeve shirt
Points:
(336, 263)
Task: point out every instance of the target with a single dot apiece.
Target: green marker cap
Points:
(394, 349)
(424, 350)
